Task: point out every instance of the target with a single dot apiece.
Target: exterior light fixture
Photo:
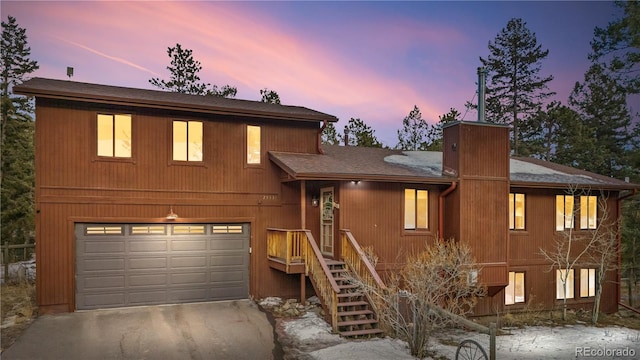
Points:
(315, 202)
(171, 215)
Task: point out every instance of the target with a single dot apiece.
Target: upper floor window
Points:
(416, 209)
(114, 135)
(514, 292)
(187, 140)
(253, 145)
(587, 282)
(564, 212)
(564, 289)
(588, 212)
(516, 211)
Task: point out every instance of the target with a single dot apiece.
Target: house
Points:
(149, 197)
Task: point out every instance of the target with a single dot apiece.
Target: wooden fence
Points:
(7, 258)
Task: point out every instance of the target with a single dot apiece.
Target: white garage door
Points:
(142, 264)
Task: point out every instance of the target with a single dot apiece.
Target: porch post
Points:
(303, 288)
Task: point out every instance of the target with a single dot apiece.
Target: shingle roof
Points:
(105, 94)
(359, 163)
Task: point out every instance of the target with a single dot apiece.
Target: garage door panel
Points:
(148, 246)
(227, 260)
(144, 264)
(102, 282)
(188, 245)
(103, 247)
(148, 280)
(147, 263)
(102, 264)
(227, 244)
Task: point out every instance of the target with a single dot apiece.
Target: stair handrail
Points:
(313, 259)
(370, 272)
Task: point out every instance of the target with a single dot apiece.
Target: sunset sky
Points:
(368, 60)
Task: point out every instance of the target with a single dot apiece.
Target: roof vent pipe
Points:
(346, 136)
(482, 83)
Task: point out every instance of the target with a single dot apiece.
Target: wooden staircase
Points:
(355, 317)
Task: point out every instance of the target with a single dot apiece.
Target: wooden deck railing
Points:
(358, 262)
(299, 245)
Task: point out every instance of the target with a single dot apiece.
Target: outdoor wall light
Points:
(355, 182)
(171, 215)
(315, 202)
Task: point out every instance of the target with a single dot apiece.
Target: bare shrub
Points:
(431, 286)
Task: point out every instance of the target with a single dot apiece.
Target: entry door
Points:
(326, 221)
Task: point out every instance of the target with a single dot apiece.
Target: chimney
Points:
(346, 136)
(482, 80)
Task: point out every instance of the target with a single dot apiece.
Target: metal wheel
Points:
(470, 350)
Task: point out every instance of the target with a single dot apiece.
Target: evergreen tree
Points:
(184, 77)
(269, 96)
(361, 134)
(330, 135)
(414, 132)
(435, 131)
(17, 149)
(602, 104)
(515, 89)
(617, 47)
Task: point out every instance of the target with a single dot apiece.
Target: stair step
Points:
(352, 303)
(331, 262)
(361, 332)
(348, 295)
(337, 271)
(355, 312)
(357, 322)
(348, 286)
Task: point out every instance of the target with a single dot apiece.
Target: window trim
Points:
(246, 146)
(94, 137)
(194, 163)
(570, 285)
(512, 214)
(416, 229)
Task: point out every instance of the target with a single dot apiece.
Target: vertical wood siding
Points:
(73, 185)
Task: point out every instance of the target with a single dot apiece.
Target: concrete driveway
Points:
(219, 330)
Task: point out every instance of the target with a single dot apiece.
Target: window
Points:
(588, 212)
(416, 209)
(114, 135)
(253, 145)
(187, 140)
(564, 212)
(514, 292)
(560, 274)
(516, 211)
(104, 230)
(587, 282)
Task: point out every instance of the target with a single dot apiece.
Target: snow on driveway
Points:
(536, 342)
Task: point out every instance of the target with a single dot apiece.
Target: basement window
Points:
(587, 282)
(416, 209)
(514, 292)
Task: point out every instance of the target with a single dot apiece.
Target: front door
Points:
(326, 221)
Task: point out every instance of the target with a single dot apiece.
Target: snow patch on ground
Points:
(529, 343)
(20, 271)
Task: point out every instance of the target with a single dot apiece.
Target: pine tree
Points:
(330, 135)
(269, 96)
(361, 134)
(184, 76)
(602, 104)
(414, 132)
(434, 137)
(17, 149)
(515, 89)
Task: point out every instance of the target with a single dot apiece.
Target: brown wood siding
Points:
(374, 212)
(73, 185)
